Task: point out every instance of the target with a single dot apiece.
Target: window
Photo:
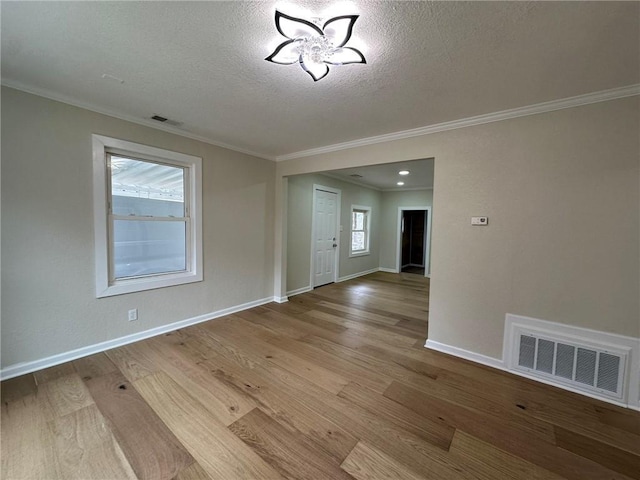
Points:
(360, 222)
(147, 217)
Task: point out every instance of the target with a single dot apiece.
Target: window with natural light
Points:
(360, 220)
(147, 217)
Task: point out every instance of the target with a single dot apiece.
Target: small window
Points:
(360, 222)
(147, 217)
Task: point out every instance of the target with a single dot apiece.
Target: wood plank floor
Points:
(335, 384)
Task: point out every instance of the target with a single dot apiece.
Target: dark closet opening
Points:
(413, 241)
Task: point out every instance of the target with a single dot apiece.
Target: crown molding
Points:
(128, 118)
(371, 187)
(589, 98)
(595, 97)
(353, 182)
(410, 189)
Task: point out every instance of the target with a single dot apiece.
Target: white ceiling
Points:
(202, 63)
(385, 176)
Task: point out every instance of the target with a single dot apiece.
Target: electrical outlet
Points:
(479, 220)
(133, 314)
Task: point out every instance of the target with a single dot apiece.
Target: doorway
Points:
(324, 239)
(413, 231)
(414, 234)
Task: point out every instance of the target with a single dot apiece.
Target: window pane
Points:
(357, 241)
(146, 189)
(148, 247)
(358, 221)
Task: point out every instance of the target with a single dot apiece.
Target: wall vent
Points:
(596, 363)
(584, 367)
(165, 120)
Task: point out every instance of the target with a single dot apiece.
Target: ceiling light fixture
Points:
(400, 184)
(313, 46)
(403, 172)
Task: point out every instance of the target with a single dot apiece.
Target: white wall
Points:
(389, 235)
(561, 190)
(49, 303)
(300, 208)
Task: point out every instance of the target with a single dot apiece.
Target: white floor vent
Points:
(566, 358)
(582, 366)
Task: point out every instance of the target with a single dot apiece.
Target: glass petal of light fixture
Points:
(345, 56)
(292, 27)
(286, 53)
(338, 30)
(313, 47)
(317, 70)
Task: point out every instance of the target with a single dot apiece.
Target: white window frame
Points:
(105, 286)
(367, 231)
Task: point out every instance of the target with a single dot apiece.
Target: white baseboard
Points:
(356, 275)
(306, 289)
(500, 365)
(35, 365)
(284, 299)
(298, 291)
(466, 354)
(395, 270)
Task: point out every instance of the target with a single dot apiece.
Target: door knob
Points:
(335, 245)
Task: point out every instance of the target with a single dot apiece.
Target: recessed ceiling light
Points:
(403, 172)
(400, 184)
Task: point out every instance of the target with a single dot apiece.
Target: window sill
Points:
(359, 254)
(148, 283)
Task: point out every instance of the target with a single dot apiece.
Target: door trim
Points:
(427, 243)
(338, 192)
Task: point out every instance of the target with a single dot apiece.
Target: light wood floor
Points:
(334, 384)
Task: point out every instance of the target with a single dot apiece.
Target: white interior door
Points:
(325, 239)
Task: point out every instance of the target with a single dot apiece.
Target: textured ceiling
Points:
(202, 63)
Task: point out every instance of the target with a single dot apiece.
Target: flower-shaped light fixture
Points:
(313, 46)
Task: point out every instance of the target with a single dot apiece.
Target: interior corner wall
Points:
(299, 218)
(562, 193)
(49, 304)
(389, 235)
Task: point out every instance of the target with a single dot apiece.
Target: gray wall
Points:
(300, 207)
(48, 291)
(561, 191)
(384, 225)
(389, 235)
